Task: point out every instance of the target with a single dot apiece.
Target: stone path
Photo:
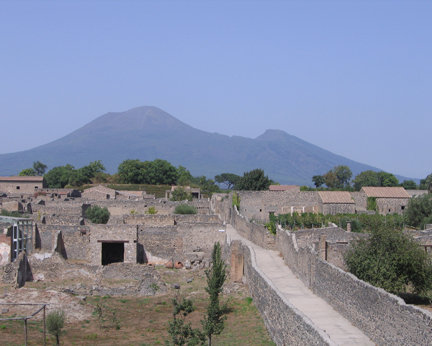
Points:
(340, 330)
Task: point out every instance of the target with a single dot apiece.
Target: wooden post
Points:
(44, 332)
(25, 330)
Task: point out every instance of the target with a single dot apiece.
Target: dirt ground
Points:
(129, 320)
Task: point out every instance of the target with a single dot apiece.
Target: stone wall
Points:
(107, 233)
(286, 324)
(383, 317)
(336, 208)
(391, 205)
(360, 200)
(252, 231)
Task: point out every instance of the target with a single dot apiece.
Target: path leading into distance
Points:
(339, 329)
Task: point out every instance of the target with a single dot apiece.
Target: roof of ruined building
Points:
(21, 178)
(336, 197)
(281, 187)
(385, 192)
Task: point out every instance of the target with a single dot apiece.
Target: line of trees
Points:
(340, 178)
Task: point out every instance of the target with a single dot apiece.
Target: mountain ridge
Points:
(148, 133)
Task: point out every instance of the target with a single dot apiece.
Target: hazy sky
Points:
(353, 77)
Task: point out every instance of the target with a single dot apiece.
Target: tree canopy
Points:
(392, 260)
(419, 211)
(254, 180)
(157, 172)
(229, 179)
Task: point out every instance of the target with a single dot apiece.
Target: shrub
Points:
(151, 211)
(180, 194)
(236, 200)
(185, 209)
(391, 260)
(55, 322)
(98, 215)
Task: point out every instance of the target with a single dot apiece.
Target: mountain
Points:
(148, 133)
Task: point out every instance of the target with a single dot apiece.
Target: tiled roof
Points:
(281, 187)
(22, 178)
(385, 192)
(336, 197)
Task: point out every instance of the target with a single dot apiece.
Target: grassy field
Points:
(143, 320)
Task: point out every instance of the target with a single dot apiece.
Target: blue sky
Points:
(353, 77)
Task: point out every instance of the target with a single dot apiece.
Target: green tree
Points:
(180, 194)
(229, 179)
(343, 176)
(254, 180)
(318, 180)
(39, 168)
(366, 178)
(392, 260)
(160, 172)
(419, 211)
(131, 172)
(181, 333)
(409, 185)
(27, 172)
(213, 323)
(58, 177)
(387, 179)
(185, 177)
(55, 323)
(330, 179)
(93, 168)
(98, 215)
(428, 182)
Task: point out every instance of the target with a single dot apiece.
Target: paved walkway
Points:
(340, 330)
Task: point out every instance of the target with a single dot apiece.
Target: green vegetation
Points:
(62, 176)
(55, 321)
(213, 323)
(236, 200)
(419, 211)
(180, 194)
(391, 260)
(38, 169)
(151, 211)
(185, 209)
(254, 180)
(229, 179)
(359, 222)
(155, 172)
(98, 215)
(181, 333)
(372, 204)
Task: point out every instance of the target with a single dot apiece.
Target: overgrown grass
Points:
(185, 209)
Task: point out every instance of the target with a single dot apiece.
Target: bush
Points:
(55, 322)
(185, 209)
(179, 194)
(151, 211)
(236, 200)
(391, 260)
(98, 215)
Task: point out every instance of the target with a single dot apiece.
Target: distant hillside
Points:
(148, 133)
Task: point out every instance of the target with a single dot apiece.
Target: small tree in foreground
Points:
(392, 260)
(55, 322)
(213, 323)
(181, 333)
(98, 215)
